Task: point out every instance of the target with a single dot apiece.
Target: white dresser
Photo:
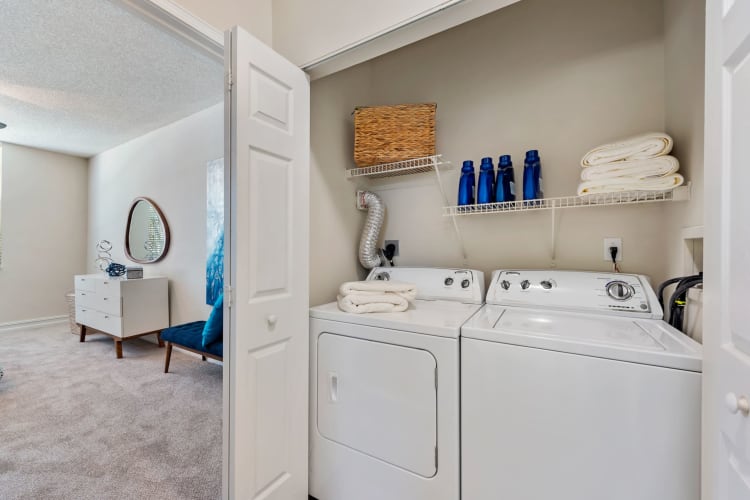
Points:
(121, 308)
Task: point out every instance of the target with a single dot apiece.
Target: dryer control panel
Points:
(609, 293)
(459, 285)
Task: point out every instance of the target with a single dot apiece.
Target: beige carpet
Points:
(76, 423)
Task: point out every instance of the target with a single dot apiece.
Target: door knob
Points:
(271, 319)
(735, 404)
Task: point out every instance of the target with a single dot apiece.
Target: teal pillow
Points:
(214, 328)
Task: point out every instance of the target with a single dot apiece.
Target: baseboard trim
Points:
(33, 323)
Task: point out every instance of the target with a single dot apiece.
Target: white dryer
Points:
(573, 388)
(384, 392)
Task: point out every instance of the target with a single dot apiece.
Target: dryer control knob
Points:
(448, 281)
(619, 290)
(546, 284)
(465, 283)
(384, 276)
(505, 284)
(525, 284)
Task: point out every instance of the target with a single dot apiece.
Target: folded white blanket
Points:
(405, 290)
(635, 169)
(639, 147)
(371, 302)
(620, 184)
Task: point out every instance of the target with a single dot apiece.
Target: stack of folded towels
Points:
(376, 296)
(640, 163)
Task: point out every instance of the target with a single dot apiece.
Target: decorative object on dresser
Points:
(146, 233)
(123, 309)
(103, 254)
(134, 272)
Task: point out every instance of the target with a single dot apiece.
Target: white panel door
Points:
(266, 369)
(727, 265)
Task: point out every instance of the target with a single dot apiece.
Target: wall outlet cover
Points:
(393, 242)
(612, 242)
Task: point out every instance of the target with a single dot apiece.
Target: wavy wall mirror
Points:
(147, 232)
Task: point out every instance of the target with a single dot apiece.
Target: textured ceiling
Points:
(82, 76)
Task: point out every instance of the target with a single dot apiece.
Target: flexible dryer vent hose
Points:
(368, 244)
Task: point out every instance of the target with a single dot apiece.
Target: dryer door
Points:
(379, 399)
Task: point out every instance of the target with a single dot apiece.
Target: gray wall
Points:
(168, 166)
(562, 77)
(43, 225)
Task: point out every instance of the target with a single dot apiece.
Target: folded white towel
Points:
(372, 302)
(639, 147)
(620, 184)
(635, 169)
(405, 290)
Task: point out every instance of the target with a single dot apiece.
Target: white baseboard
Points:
(33, 323)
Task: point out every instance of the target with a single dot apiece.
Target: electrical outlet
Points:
(394, 243)
(612, 242)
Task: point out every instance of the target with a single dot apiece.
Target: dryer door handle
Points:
(333, 387)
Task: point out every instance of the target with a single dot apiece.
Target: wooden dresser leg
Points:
(158, 338)
(83, 333)
(118, 348)
(168, 357)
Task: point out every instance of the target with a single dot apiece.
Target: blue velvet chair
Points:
(190, 338)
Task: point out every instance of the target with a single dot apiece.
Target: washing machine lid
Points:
(651, 342)
(442, 318)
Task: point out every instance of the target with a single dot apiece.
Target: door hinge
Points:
(228, 81)
(228, 299)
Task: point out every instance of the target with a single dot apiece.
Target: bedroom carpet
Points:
(77, 423)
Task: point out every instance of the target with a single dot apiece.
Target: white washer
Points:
(573, 388)
(384, 392)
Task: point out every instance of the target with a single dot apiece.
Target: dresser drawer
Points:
(86, 298)
(82, 314)
(85, 283)
(105, 322)
(109, 303)
(108, 287)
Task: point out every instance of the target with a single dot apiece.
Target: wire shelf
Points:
(681, 193)
(406, 167)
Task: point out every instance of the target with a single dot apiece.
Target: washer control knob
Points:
(505, 284)
(619, 290)
(384, 276)
(525, 284)
(546, 284)
(448, 281)
(465, 283)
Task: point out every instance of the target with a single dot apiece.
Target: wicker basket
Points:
(385, 134)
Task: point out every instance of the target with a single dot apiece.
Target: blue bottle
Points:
(505, 186)
(529, 180)
(466, 184)
(538, 175)
(486, 184)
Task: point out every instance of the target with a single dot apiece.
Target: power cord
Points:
(613, 253)
(388, 252)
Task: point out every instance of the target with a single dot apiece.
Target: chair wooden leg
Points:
(158, 338)
(169, 356)
(83, 333)
(118, 348)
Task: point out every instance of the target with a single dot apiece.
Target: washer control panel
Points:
(616, 293)
(460, 285)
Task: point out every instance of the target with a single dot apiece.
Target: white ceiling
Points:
(82, 76)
